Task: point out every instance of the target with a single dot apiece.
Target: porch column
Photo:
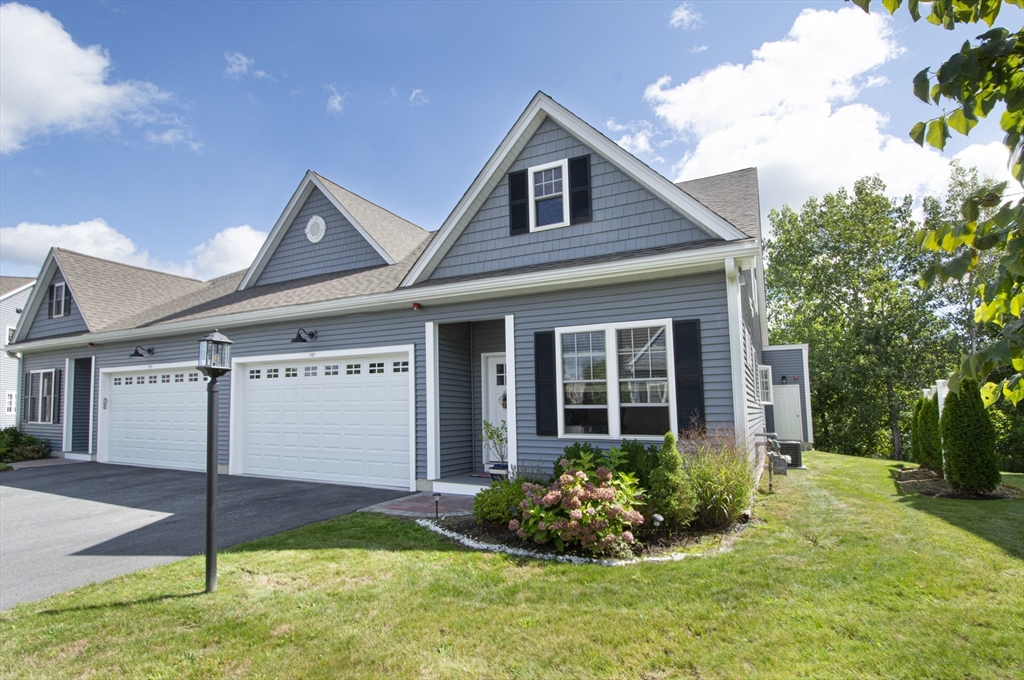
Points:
(433, 410)
(510, 388)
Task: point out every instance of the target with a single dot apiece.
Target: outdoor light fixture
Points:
(310, 335)
(437, 504)
(138, 353)
(658, 519)
(214, 361)
(783, 380)
(417, 306)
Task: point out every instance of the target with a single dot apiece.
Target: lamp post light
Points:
(437, 503)
(214, 361)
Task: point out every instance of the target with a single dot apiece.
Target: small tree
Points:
(670, 494)
(931, 436)
(969, 441)
(915, 431)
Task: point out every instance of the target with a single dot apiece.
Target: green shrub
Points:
(930, 454)
(580, 455)
(969, 441)
(15, 446)
(670, 494)
(639, 460)
(915, 432)
(721, 479)
(499, 502)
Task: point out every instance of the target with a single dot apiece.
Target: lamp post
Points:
(214, 361)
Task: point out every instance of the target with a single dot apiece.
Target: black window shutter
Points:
(518, 204)
(544, 380)
(49, 303)
(55, 402)
(24, 399)
(689, 374)
(67, 301)
(579, 190)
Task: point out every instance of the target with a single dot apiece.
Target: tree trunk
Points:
(894, 419)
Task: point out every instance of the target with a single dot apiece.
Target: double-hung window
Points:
(58, 292)
(616, 380)
(764, 384)
(42, 407)
(549, 206)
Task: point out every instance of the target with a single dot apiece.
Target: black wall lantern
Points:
(138, 353)
(214, 361)
(783, 380)
(310, 335)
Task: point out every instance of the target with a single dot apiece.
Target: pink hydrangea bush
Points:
(595, 509)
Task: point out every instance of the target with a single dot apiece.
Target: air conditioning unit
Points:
(793, 451)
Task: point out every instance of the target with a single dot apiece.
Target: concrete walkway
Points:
(64, 526)
(422, 505)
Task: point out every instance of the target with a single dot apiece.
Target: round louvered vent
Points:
(315, 229)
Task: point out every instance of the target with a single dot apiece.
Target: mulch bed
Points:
(649, 544)
(927, 483)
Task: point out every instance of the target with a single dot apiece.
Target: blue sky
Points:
(182, 148)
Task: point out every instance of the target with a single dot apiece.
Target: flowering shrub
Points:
(593, 508)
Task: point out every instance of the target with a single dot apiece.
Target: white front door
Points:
(494, 407)
(788, 420)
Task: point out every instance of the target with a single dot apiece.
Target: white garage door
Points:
(332, 420)
(158, 418)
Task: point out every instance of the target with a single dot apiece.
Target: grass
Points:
(1013, 479)
(846, 578)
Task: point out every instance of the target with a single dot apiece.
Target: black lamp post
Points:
(214, 361)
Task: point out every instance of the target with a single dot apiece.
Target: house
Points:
(573, 293)
(14, 292)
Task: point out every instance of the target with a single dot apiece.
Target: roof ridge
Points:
(130, 266)
(375, 205)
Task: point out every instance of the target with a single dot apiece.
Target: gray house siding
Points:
(43, 327)
(694, 297)
(10, 374)
(341, 249)
(751, 335)
(789, 363)
(455, 398)
(625, 217)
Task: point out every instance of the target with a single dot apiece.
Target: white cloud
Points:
(335, 102)
(51, 85)
(174, 137)
(697, 49)
(990, 159)
(685, 17)
(792, 113)
(25, 246)
(417, 98)
(638, 139)
(239, 65)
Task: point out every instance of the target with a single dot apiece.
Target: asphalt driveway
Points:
(65, 526)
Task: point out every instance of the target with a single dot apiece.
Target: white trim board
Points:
(310, 181)
(541, 108)
(510, 387)
(69, 404)
(433, 405)
(651, 267)
(734, 304)
(236, 439)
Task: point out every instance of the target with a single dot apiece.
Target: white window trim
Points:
(9, 335)
(564, 164)
(53, 397)
(11, 403)
(770, 397)
(612, 379)
(64, 291)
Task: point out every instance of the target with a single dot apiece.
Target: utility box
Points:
(793, 451)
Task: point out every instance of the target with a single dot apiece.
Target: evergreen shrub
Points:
(969, 441)
(930, 453)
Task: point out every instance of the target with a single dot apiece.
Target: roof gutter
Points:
(664, 265)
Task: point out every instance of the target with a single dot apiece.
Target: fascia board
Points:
(604, 273)
(770, 348)
(277, 233)
(17, 290)
(348, 216)
(541, 107)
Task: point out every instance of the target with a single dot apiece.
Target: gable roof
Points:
(391, 236)
(733, 195)
(541, 108)
(13, 284)
(106, 292)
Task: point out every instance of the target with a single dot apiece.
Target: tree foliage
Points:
(968, 441)
(930, 455)
(842, 277)
(973, 81)
(915, 431)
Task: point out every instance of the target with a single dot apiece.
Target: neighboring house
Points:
(573, 292)
(14, 292)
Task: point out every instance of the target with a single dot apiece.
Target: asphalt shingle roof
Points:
(732, 195)
(12, 283)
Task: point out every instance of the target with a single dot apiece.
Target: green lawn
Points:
(846, 578)
(1013, 479)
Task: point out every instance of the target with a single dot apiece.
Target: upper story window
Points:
(548, 207)
(10, 334)
(764, 384)
(60, 300)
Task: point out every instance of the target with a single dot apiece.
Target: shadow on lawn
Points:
(120, 605)
(997, 521)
